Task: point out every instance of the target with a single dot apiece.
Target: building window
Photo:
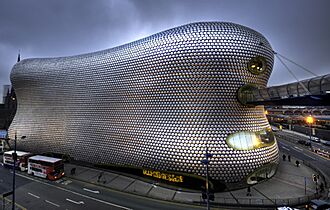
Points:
(248, 140)
(245, 94)
(262, 173)
(257, 65)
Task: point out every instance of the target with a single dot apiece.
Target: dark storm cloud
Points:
(298, 29)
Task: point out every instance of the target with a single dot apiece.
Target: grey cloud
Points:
(298, 29)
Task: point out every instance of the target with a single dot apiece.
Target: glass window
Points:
(257, 65)
(245, 93)
(248, 140)
(262, 173)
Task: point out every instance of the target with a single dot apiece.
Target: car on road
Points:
(327, 143)
(316, 139)
(303, 142)
(319, 204)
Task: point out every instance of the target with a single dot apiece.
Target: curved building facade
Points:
(155, 103)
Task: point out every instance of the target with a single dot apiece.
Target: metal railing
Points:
(262, 202)
(316, 90)
(316, 86)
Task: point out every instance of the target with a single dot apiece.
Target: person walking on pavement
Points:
(248, 191)
(99, 177)
(289, 158)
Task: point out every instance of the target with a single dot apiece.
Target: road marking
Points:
(66, 182)
(76, 202)
(310, 156)
(92, 191)
(298, 148)
(73, 192)
(54, 204)
(33, 195)
(285, 148)
(282, 143)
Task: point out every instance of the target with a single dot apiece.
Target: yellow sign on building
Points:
(162, 175)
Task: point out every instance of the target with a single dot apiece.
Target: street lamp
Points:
(310, 120)
(206, 162)
(14, 168)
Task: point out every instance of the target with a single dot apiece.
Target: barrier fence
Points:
(261, 202)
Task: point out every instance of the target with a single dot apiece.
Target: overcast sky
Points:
(298, 29)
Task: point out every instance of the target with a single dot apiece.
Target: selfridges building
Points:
(157, 103)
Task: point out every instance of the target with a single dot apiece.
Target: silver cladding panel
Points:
(155, 103)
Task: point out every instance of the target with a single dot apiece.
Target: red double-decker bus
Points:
(46, 167)
(22, 159)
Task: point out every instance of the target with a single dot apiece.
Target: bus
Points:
(46, 167)
(22, 159)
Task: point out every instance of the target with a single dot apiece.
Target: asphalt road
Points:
(299, 136)
(36, 193)
(303, 153)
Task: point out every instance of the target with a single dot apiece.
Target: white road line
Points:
(92, 191)
(310, 156)
(285, 148)
(33, 195)
(76, 202)
(54, 204)
(282, 143)
(73, 192)
(298, 148)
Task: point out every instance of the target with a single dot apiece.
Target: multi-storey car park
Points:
(154, 106)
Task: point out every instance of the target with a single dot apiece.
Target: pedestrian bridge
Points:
(310, 92)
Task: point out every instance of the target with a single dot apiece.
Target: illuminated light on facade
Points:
(310, 120)
(162, 175)
(155, 103)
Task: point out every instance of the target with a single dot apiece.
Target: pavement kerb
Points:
(325, 178)
(132, 193)
(173, 198)
(17, 206)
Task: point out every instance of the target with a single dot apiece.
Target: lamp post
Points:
(310, 121)
(206, 162)
(14, 168)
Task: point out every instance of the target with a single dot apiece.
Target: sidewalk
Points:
(287, 187)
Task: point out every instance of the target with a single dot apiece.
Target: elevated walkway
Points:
(310, 92)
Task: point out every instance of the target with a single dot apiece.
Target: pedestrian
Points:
(321, 187)
(100, 176)
(73, 171)
(248, 191)
(284, 157)
(297, 163)
(289, 158)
